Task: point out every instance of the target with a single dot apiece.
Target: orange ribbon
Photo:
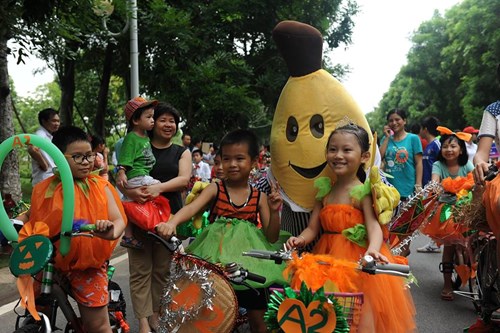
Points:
(25, 282)
(461, 135)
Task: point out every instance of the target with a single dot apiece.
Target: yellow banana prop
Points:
(385, 197)
(197, 188)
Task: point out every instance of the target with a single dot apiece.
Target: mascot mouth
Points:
(310, 172)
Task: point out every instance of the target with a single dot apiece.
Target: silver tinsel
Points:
(170, 320)
(431, 187)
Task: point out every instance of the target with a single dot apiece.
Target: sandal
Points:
(131, 243)
(447, 295)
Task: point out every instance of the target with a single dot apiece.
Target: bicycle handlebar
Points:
(238, 274)
(368, 265)
(173, 244)
(492, 172)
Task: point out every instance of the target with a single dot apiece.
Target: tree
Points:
(217, 62)
(15, 16)
(451, 67)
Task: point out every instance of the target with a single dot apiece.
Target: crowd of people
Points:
(149, 164)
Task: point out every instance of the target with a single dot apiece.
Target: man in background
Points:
(186, 140)
(41, 162)
(471, 144)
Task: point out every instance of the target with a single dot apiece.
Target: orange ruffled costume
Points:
(91, 204)
(447, 231)
(386, 297)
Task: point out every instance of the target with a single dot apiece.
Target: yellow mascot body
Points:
(309, 108)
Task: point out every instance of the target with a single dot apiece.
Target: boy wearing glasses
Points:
(96, 202)
(136, 157)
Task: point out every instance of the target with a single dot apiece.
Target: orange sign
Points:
(293, 317)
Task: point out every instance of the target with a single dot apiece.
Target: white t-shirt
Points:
(202, 170)
(38, 174)
(471, 150)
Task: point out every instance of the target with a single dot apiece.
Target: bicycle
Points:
(54, 292)
(485, 291)
(350, 302)
(199, 296)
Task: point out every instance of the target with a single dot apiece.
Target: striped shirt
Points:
(224, 207)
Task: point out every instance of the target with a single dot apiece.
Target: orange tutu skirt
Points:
(386, 298)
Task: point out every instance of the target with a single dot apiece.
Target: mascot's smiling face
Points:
(308, 110)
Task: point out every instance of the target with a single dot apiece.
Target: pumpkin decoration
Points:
(31, 255)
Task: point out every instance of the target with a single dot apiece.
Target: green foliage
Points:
(451, 68)
(216, 61)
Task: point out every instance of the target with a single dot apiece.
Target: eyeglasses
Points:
(79, 158)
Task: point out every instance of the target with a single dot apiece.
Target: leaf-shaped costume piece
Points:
(324, 186)
(385, 198)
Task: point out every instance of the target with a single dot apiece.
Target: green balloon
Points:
(21, 140)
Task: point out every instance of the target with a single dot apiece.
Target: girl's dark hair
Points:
(399, 112)
(96, 140)
(66, 135)
(463, 158)
(363, 140)
(241, 136)
(165, 108)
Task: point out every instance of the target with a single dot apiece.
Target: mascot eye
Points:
(292, 129)
(317, 126)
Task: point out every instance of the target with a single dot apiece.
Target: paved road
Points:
(433, 314)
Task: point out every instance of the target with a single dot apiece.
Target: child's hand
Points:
(105, 229)
(377, 256)
(154, 190)
(165, 230)
(121, 179)
(295, 242)
(274, 199)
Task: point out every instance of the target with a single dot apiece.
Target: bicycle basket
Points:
(351, 302)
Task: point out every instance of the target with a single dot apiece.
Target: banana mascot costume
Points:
(310, 106)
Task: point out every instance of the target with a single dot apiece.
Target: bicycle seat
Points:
(31, 255)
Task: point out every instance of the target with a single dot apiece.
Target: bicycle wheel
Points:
(31, 328)
(30, 325)
(487, 276)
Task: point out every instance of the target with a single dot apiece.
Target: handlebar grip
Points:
(88, 227)
(256, 278)
(394, 267)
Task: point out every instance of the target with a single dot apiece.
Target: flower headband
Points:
(461, 135)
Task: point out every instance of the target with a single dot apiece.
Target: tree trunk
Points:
(67, 92)
(102, 101)
(10, 181)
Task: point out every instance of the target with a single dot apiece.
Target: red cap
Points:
(470, 130)
(137, 103)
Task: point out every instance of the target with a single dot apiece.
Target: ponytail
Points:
(361, 173)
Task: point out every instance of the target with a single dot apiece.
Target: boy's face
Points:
(80, 151)
(197, 157)
(236, 162)
(146, 121)
(219, 172)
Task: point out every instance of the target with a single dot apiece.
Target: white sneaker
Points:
(431, 247)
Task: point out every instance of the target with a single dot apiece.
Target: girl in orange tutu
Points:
(351, 230)
(452, 163)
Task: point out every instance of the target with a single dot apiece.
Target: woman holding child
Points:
(149, 266)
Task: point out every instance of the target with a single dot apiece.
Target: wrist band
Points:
(300, 236)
